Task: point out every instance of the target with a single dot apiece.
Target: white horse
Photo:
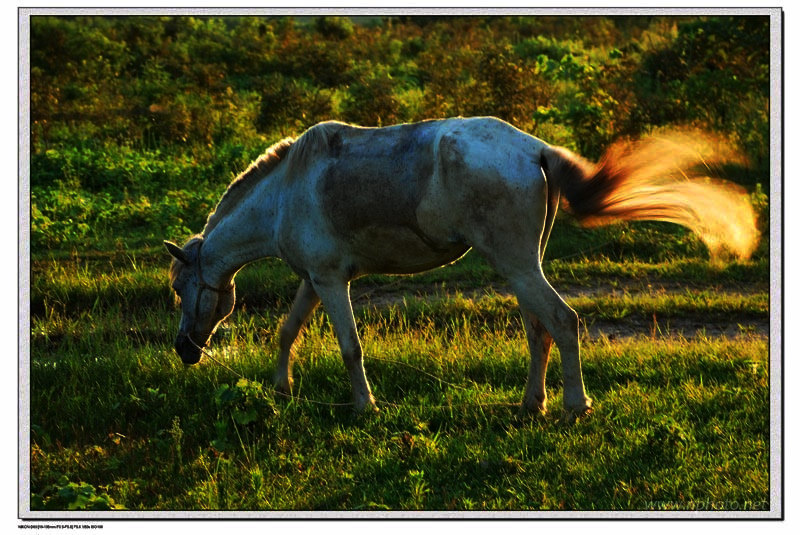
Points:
(343, 201)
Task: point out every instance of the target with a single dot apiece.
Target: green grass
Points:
(138, 278)
(679, 420)
(118, 422)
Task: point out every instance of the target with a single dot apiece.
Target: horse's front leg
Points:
(336, 300)
(304, 304)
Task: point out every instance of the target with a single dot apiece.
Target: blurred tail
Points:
(651, 180)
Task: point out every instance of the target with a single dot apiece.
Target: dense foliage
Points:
(138, 123)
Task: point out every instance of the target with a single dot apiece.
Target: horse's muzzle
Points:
(189, 352)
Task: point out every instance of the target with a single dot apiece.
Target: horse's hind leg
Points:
(509, 251)
(304, 304)
(538, 299)
(336, 300)
(539, 342)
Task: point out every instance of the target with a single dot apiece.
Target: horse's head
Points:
(203, 306)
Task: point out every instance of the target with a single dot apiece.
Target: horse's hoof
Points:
(536, 409)
(366, 408)
(580, 408)
(283, 386)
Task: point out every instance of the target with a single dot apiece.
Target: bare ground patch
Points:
(672, 328)
(687, 326)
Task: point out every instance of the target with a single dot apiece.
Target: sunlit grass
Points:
(676, 420)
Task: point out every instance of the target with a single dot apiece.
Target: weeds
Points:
(674, 417)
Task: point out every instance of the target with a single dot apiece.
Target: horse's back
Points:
(375, 177)
(379, 176)
(488, 182)
(366, 185)
(486, 147)
(411, 197)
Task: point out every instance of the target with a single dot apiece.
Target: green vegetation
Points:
(676, 419)
(139, 123)
(680, 418)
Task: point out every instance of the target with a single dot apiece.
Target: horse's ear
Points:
(176, 251)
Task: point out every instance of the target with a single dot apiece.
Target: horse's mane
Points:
(244, 183)
(303, 147)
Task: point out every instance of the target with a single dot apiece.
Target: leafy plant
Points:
(70, 496)
(244, 404)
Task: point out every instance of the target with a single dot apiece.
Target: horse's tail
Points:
(651, 180)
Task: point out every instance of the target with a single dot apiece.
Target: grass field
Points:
(675, 356)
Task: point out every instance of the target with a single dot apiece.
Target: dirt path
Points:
(673, 328)
(693, 326)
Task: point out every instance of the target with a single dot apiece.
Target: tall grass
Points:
(674, 420)
(118, 422)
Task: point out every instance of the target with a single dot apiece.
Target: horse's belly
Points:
(399, 250)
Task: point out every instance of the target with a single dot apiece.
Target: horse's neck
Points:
(245, 234)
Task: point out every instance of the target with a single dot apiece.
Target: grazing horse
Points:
(342, 201)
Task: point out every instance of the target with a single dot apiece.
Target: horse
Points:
(342, 201)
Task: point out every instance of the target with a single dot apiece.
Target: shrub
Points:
(69, 496)
(371, 99)
(290, 105)
(334, 27)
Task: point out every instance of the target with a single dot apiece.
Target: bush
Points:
(371, 99)
(69, 496)
(715, 72)
(334, 27)
(127, 112)
(290, 106)
(504, 87)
